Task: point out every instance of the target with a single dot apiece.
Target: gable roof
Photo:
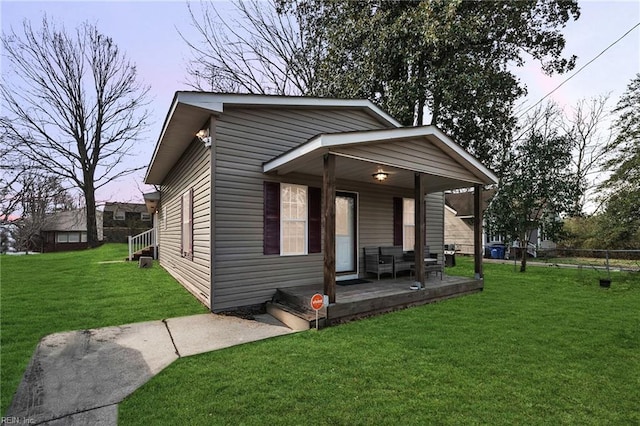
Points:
(385, 147)
(69, 220)
(127, 207)
(190, 111)
(462, 202)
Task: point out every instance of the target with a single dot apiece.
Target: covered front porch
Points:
(367, 298)
(414, 160)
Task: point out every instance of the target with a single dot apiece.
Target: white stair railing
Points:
(142, 241)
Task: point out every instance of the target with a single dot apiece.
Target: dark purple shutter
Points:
(271, 231)
(315, 221)
(397, 221)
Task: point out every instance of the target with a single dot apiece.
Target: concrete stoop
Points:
(294, 319)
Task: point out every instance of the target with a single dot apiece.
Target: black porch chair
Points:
(400, 261)
(375, 263)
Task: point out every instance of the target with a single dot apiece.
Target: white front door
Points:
(346, 234)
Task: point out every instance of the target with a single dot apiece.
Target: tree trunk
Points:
(420, 112)
(436, 109)
(523, 251)
(90, 205)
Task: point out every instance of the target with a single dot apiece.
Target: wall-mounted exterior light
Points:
(203, 136)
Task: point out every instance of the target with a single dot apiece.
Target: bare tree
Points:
(12, 165)
(74, 106)
(39, 195)
(263, 51)
(585, 128)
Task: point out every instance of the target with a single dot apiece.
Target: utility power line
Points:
(579, 70)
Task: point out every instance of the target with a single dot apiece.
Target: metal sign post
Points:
(317, 302)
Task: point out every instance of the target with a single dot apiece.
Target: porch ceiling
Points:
(400, 152)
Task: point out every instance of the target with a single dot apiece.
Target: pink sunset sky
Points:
(148, 32)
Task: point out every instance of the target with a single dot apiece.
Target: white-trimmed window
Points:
(119, 215)
(408, 224)
(187, 224)
(62, 237)
(294, 218)
(74, 237)
(145, 216)
(83, 237)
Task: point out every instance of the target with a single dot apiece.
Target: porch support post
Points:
(419, 229)
(329, 225)
(477, 231)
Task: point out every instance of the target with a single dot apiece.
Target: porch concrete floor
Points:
(378, 296)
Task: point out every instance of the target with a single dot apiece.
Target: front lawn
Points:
(48, 293)
(545, 347)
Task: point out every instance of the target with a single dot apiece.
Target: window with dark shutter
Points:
(186, 241)
(271, 219)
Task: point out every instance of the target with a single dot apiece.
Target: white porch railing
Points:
(142, 241)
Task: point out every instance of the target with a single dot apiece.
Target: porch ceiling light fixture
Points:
(203, 136)
(380, 175)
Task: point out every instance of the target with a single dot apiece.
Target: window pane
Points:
(83, 237)
(294, 219)
(343, 219)
(293, 237)
(408, 224)
(187, 224)
(409, 237)
(409, 211)
(61, 237)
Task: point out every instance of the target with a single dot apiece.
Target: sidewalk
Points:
(79, 377)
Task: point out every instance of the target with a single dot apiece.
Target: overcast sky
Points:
(148, 33)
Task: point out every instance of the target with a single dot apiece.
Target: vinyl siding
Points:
(191, 171)
(458, 232)
(245, 139)
(417, 155)
(434, 213)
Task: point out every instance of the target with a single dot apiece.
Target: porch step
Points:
(148, 251)
(299, 301)
(294, 319)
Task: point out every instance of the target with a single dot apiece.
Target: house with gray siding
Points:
(259, 193)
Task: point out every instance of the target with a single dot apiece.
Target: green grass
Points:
(48, 293)
(545, 347)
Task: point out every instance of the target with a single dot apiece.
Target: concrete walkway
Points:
(79, 377)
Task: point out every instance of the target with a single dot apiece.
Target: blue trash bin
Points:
(494, 253)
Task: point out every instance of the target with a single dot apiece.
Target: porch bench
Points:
(400, 261)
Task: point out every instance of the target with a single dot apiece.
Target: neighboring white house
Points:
(459, 220)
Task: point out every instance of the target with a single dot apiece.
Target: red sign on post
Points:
(317, 301)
